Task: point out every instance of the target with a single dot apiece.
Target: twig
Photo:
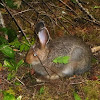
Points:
(2, 20)
(87, 12)
(22, 12)
(20, 81)
(52, 5)
(56, 17)
(97, 23)
(68, 7)
(37, 13)
(77, 83)
(27, 20)
(31, 6)
(6, 80)
(42, 65)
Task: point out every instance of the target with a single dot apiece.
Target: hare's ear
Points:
(43, 34)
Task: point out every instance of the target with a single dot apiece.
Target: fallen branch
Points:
(95, 49)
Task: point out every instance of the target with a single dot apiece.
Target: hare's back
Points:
(73, 47)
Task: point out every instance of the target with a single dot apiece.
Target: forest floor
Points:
(85, 86)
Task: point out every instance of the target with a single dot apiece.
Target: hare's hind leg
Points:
(61, 73)
(75, 62)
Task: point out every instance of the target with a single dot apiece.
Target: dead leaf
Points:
(32, 71)
(94, 78)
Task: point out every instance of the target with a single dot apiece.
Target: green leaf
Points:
(10, 32)
(61, 59)
(0, 65)
(10, 76)
(4, 30)
(15, 43)
(3, 40)
(87, 98)
(22, 47)
(17, 83)
(73, 1)
(10, 91)
(10, 3)
(94, 60)
(98, 77)
(41, 90)
(76, 96)
(7, 51)
(26, 48)
(8, 96)
(96, 7)
(19, 98)
(19, 64)
(0, 90)
(7, 64)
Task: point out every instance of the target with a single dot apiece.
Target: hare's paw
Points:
(53, 77)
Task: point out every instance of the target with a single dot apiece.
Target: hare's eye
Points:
(35, 54)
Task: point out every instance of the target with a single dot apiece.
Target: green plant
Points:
(8, 96)
(43, 94)
(7, 50)
(12, 67)
(10, 3)
(3, 40)
(76, 96)
(73, 1)
(11, 33)
(13, 41)
(91, 90)
(42, 89)
(96, 7)
(22, 46)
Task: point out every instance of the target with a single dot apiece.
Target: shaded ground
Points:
(86, 85)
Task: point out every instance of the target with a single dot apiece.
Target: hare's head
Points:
(39, 51)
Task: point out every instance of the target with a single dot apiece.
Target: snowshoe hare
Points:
(42, 54)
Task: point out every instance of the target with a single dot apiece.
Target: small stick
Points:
(31, 6)
(20, 81)
(56, 17)
(68, 7)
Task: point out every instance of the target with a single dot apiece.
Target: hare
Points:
(41, 55)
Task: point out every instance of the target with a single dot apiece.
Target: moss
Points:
(92, 90)
(45, 95)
